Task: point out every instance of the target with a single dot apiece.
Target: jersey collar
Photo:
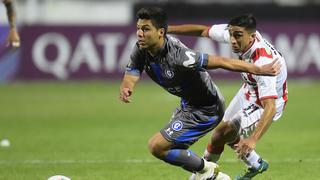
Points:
(247, 54)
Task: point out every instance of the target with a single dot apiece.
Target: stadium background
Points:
(58, 92)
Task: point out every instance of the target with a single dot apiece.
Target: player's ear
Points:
(253, 35)
(161, 32)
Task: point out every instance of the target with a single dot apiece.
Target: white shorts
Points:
(245, 115)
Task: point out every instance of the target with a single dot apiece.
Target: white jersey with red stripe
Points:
(255, 87)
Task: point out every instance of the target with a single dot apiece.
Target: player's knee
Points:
(223, 134)
(156, 149)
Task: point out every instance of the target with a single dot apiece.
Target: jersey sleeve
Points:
(192, 60)
(266, 84)
(136, 63)
(219, 33)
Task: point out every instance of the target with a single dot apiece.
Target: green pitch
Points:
(82, 130)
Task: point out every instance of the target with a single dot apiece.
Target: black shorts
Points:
(189, 124)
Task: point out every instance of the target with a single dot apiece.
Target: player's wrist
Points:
(259, 70)
(255, 138)
(12, 27)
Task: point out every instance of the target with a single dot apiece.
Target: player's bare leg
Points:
(227, 133)
(162, 149)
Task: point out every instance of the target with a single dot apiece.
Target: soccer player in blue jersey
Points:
(182, 72)
(13, 37)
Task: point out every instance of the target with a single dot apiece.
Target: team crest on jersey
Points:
(169, 73)
(177, 125)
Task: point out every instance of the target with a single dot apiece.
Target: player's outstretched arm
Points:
(245, 146)
(269, 110)
(127, 86)
(13, 37)
(189, 29)
(270, 69)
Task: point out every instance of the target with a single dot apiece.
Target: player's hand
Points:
(271, 69)
(245, 146)
(13, 39)
(125, 94)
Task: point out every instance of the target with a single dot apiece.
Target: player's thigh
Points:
(246, 120)
(158, 144)
(235, 106)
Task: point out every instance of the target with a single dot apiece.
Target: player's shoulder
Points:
(259, 37)
(136, 52)
(261, 50)
(261, 55)
(175, 42)
(175, 46)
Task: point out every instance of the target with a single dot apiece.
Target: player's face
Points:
(240, 38)
(148, 35)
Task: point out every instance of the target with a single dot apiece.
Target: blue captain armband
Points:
(133, 71)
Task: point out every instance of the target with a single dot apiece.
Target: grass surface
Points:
(83, 131)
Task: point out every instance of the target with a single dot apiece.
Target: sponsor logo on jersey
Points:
(169, 132)
(169, 73)
(177, 125)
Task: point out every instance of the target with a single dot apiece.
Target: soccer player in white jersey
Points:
(260, 100)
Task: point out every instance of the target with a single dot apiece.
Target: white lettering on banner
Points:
(313, 56)
(85, 52)
(110, 41)
(124, 58)
(300, 51)
(205, 45)
(290, 50)
(55, 66)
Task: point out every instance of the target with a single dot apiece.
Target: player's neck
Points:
(248, 47)
(155, 49)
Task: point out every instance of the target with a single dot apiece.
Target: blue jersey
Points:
(179, 70)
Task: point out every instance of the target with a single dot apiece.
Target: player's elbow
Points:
(205, 31)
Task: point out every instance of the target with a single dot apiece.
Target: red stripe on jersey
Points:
(257, 95)
(255, 88)
(268, 97)
(260, 52)
(284, 96)
(247, 94)
(251, 78)
(207, 31)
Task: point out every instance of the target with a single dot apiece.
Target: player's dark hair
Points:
(248, 21)
(157, 16)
